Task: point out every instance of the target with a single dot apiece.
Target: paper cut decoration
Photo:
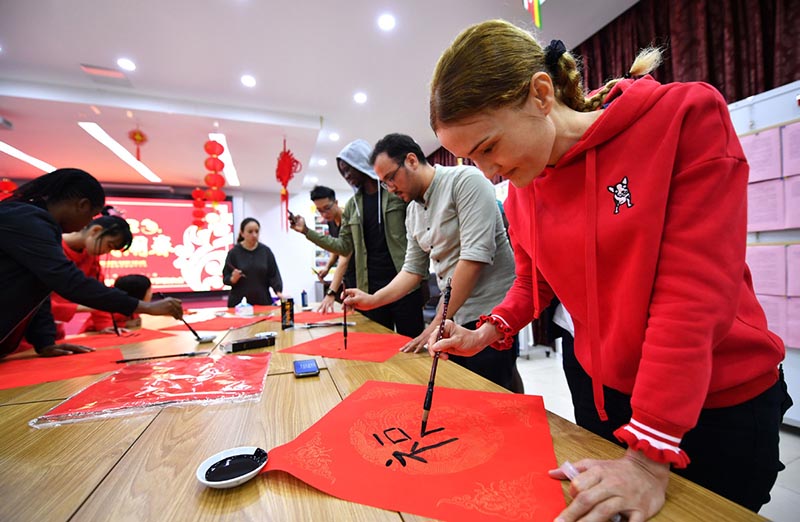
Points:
(484, 457)
(108, 340)
(137, 387)
(763, 153)
(361, 346)
(791, 149)
(311, 317)
(768, 267)
(793, 270)
(775, 310)
(218, 323)
(765, 206)
(260, 309)
(792, 195)
(36, 370)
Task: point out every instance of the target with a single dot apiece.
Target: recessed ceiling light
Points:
(360, 97)
(322, 162)
(333, 136)
(126, 64)
(129, 114)
(248, 81)
(386, 22)
(95, 109)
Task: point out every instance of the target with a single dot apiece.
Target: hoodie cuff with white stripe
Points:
(656, 445)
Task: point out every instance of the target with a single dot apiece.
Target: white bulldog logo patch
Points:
(621, 194)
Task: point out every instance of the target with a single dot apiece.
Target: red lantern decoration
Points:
(215, 195)
(7, 187)
(198, 203)
(199, 223)
(198, 193)
(199, 213)
(213, 148)
(214, 164)
(288, 166)
(214, 180)
(139, 138)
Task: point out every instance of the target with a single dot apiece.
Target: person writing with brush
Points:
(630, 205)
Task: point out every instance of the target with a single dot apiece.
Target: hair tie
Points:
(552, 54)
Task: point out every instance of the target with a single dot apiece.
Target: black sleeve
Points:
(38, 248)
(227, 270)
(275, 280)
(41, 331)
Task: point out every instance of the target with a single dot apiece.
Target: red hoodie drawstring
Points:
(592, 297)
(534, 256)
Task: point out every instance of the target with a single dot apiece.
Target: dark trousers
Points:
(495, 365)
(404, 315)
(733, 450)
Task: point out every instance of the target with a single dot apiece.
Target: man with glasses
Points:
(374, 231)
(453, 223)
(324, 199)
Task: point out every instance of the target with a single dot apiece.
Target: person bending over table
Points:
(33, 263)
(453, 221)
(630, 206)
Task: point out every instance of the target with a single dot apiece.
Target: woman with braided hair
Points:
(630, 206)
(33, 263)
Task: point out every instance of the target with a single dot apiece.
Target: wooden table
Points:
(142, 467)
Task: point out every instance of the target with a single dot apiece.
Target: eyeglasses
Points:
(388, 181)
(326, 208)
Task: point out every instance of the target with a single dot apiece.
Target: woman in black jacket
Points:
(33, 263)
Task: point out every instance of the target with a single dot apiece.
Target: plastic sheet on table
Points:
(140, 387)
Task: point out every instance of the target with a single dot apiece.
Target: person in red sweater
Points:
(630, 206)
(84, 248)
(137, 286)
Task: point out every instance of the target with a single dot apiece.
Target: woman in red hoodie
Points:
(630, 206)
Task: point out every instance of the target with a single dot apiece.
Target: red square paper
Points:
(361, 346)
(484, 456)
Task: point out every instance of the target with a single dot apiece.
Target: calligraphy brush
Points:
(200, 339)
(344, 314)
(186, 354)
(114, 322)
(426, 407)
(228, 263)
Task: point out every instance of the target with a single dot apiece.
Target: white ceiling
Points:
(309, 58)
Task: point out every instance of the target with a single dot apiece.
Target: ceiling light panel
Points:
(97, 132)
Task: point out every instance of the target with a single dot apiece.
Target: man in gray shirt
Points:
(452, 222)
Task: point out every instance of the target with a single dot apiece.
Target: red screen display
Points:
(168, 248)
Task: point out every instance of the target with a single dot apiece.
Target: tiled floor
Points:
(543, 376)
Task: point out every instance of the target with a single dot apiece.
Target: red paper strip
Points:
(36, 370)
(361, 346)
(174, 381)
(105, 340)
(484, 455)
(218, 323)
(311, 317)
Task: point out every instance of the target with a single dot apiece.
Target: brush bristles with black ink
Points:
(426, 407)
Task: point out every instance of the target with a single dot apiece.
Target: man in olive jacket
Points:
(374, 230)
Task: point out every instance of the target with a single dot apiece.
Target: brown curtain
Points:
(741, 47)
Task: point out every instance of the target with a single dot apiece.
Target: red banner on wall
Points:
(168, 248)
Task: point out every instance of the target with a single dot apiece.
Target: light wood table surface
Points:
(142, 467)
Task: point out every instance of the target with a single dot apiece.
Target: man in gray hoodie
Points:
(373, 230)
